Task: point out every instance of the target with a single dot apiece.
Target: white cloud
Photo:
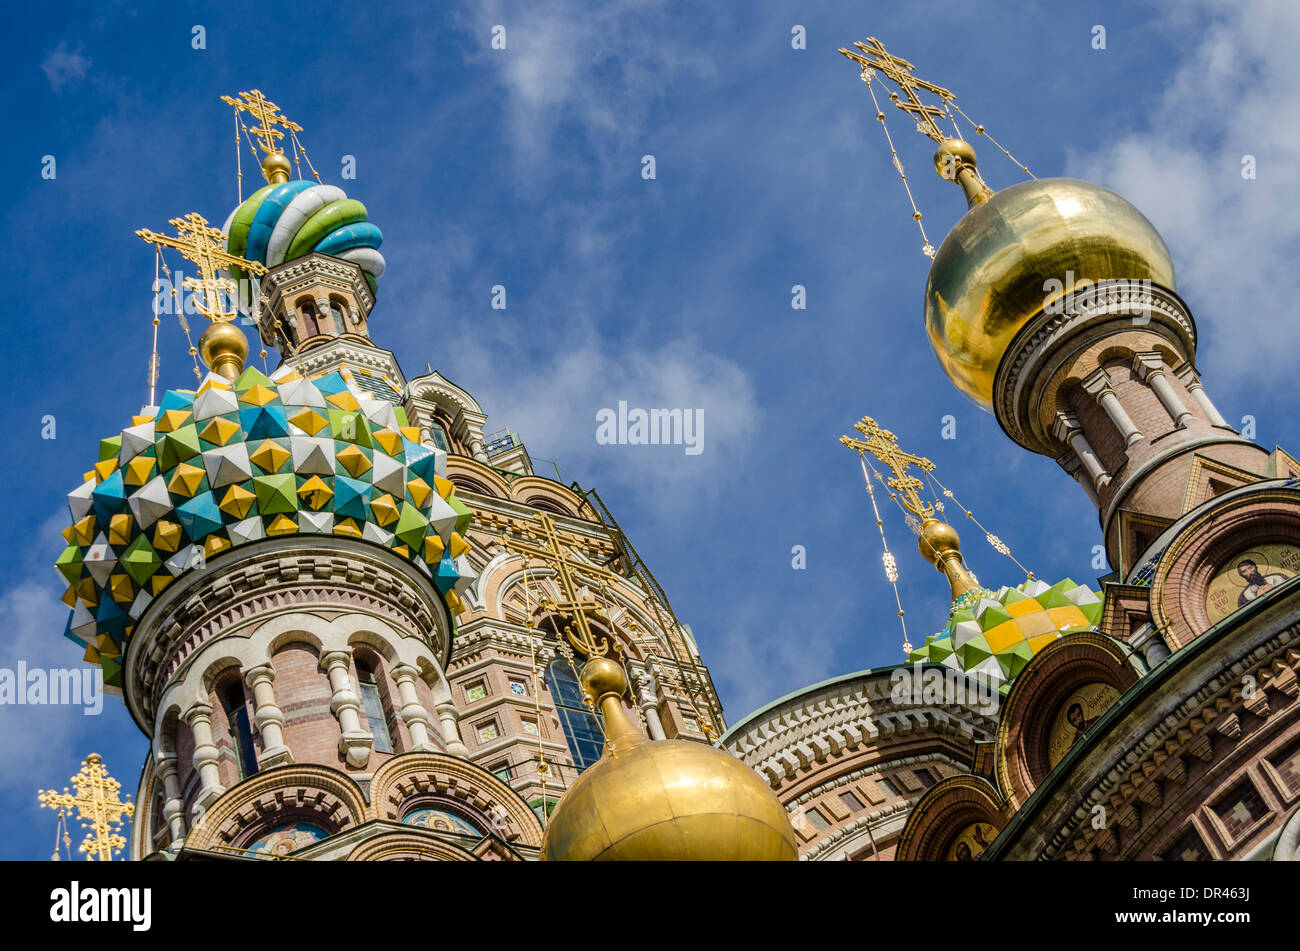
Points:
(64, 67)
(1234, 240)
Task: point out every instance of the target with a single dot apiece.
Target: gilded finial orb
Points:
(662, 800)
(936, 538)
(276, 167)
(1019, 251)
(950, 155)
(224, 348)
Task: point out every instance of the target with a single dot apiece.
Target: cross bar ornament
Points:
(205, 246)
(883, 444)
(98, 807)
(874, 56)
(571, 571)
(268, 116)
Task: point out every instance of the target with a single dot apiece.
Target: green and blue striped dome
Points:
(280, 222)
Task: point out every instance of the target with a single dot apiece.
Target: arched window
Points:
(438, 435)
(373, 703)
(581, 728)
(241, 730)
(307, 313)
(337, 310)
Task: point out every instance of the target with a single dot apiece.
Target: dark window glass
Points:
(241, 730)
(439, 437)
(374, 707)
(581, 728)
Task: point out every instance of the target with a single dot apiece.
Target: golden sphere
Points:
(224, 348)
(669, 800)
(1002, 262)
(951, 155)
(277, 167)
(602, 677)
(936, 538)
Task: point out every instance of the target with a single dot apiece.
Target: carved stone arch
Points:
(270, 798)
(408, 847)
(1192, 561)
(532, 489)
(1076, 660)
(456, 781)
(462, 470)
(948, 807)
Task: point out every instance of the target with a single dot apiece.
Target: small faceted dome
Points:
(283, 221)
(993, 634)
(234, 462)
(1009, 256)
(664, 800)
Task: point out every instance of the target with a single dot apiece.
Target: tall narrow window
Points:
(307, 311)
(581, 728)
(439, 436)
(241, 730)
(336, 311)
(374, 707)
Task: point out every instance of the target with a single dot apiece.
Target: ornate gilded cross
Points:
(883, 444)
(199, 242)
(268, 116)
(98, 807)
(875, 56)
(570, 570)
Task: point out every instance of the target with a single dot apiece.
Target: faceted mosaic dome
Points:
(994, 634)
(231, 463)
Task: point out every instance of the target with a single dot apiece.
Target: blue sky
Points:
(522, 167)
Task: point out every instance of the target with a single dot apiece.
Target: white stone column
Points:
(1097, 385)
(1192, 380)
(199, 718)
(173, 804)
(1073, 467)
(1150, 366)
(268, 718)
(644, 688)
(413, 711)
(450, 717)
(356, 743)
(1068, 431)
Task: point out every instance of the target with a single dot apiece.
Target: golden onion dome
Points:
(664, 800)
(1014, 252)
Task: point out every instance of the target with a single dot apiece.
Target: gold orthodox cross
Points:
(875, 56)
(268, 116)
(98, 807)
(570, 570)
(205, 246)
(883, 444)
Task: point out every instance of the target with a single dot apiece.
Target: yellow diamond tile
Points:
(68, 534)
(309, 421)
(344, 401)
(158, 582)
(238, 502)
(219, 430)
(119, 529)
(1042, 640)
(270, 456)
(454, 603)
(258, 395)
(444, 487)
(411, 432)
(87, 476)
(84, 530)
(1067, 617)
(166, 535)
(137, 420)
(402, 550)
(215, 545)
(172, 420)
(91, 656)
(282, 525)
(139, 470)
(105, 469)
(354, 460)
(186, 480)
(389, 440)
(1021, 608)
(347, 526)
(70, 597)
(1040, 622)
(105, 647)
(419, 490)
(1001, 636)
(119, 586)
(290, 376)
(385, 509)
(315, 493)
(432, 549)
(456, 545)
(87, 593)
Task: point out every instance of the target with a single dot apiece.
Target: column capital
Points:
(335, 658)
(1148, 363)
(1065, 425)
(1188, 375)
(1096, 383)
(200, 710)
(262, 673)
